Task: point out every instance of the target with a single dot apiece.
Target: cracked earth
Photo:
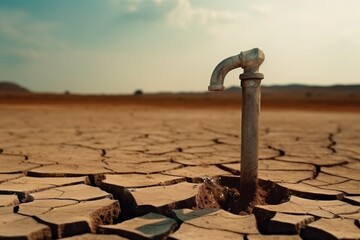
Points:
(154, 173)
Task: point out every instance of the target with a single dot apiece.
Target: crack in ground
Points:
(171, 160)
(326, 184)
(61, 192)
(340, 176)
(13, 155)
(281, 152)
(229, 170)
(176, 150)
(354, 158)
(102, 151)
(143, 136)
(220, 133)
(107, 168)
(49, 210)
(317, 170)
(217, 141)
(332, 144)
(105, 162)
(334, 215)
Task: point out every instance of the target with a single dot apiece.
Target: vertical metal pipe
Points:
(250, 61)
(251, 91)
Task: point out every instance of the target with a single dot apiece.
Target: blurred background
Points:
(118, 46)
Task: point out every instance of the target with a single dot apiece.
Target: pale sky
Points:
(118, 46)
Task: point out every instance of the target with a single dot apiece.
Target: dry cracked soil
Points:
(112, 172)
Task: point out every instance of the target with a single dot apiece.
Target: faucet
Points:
(250, 61)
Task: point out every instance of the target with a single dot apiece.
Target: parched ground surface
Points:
(149, 173)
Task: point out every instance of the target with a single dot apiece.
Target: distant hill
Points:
(9, 87)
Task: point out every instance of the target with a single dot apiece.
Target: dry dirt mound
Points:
(9, 87)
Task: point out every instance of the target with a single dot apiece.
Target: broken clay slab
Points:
(78, 192)
(149, 226)
(80, 218)
(218, 219)
(17, 226)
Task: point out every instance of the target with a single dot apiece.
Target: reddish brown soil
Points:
(272, 100)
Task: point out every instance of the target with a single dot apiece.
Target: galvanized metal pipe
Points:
(250, 61)
(249, 142)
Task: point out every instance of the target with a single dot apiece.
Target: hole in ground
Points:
(268, 193)
(217, 192)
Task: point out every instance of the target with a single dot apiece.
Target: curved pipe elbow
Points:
(249, 60)
(220, 71)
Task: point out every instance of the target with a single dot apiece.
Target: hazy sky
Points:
(118, 46)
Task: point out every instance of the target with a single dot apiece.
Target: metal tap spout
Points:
(249, 60)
